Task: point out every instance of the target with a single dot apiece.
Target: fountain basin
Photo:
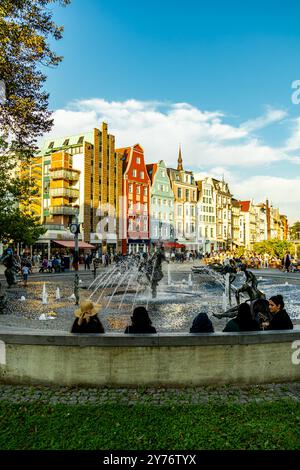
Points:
(174, 359)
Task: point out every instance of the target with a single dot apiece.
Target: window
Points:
(187, 194)
(187, 179)
(142, 175)
(145, 225)
(138, 190)
(130, 190)
(179, 211)
(212, 233)
(80, 140)
(145, 190)
(200, 232)
(163, 173)
(138, 206)
(66, 142)
(51, 145)
(187, 210)
(134, 173)
(192, 228)
(130, 225)
(138, 160)
(159, 202)
(179, 192)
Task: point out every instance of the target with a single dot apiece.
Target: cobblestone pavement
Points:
(150, 396)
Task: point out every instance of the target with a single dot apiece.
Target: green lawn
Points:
(143, 427)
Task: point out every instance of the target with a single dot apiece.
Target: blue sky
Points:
(215, 76)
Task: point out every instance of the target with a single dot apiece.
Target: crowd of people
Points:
(253, 260)
(259, 315)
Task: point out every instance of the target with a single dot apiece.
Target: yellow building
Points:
(185, 202)
(81, 175)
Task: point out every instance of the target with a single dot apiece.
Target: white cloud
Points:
(206, 139)
(272, 115)
(209, 144)
(283, 193)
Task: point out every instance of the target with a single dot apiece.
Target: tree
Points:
(25, 26)
(295, 231)
(276, 248)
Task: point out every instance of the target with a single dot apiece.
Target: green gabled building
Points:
(162, 204)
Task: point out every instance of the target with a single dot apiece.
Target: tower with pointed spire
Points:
(179, 161)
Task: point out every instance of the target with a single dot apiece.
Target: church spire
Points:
(179, 164)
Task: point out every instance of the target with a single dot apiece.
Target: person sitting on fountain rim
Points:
(86, 320)
(280, 319)
(260, 311)
(243, 321)
(140, 322)
(202, 324)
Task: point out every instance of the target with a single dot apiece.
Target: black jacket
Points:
(140, 329)
(280, 321)
(93, 326)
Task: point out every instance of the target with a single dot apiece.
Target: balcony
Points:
(69, 175)
(63, 210)
(64, 192)
(54, 226)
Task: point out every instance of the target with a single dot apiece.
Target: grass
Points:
(267, 426)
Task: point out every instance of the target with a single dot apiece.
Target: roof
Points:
(70, 244)
(59, 141)
(245, 206)
(151, 169)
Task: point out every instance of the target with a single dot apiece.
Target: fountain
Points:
(57, 294)
(44, 295)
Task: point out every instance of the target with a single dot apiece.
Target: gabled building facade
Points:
(185, 194)
(206, 216)
(135, 201)
(161, 204)
(223, 217)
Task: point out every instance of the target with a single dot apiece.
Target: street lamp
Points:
(75, 229)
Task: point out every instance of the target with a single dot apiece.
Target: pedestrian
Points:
(287, 262)
(25, 273)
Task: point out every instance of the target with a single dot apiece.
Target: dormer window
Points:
(80, 140)
(66, 142)
(51, 145)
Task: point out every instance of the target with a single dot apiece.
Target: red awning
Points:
(70, 244)
(173, 245)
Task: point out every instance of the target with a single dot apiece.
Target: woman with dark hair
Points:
(243, 321)
(261, 312)
(140, 322)
(280, 319)
(202, 324)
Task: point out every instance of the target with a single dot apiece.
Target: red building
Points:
(136, 201)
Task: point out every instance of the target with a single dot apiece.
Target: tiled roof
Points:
(245, 206)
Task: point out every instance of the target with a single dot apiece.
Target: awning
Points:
(71, 244)
(172, 245)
